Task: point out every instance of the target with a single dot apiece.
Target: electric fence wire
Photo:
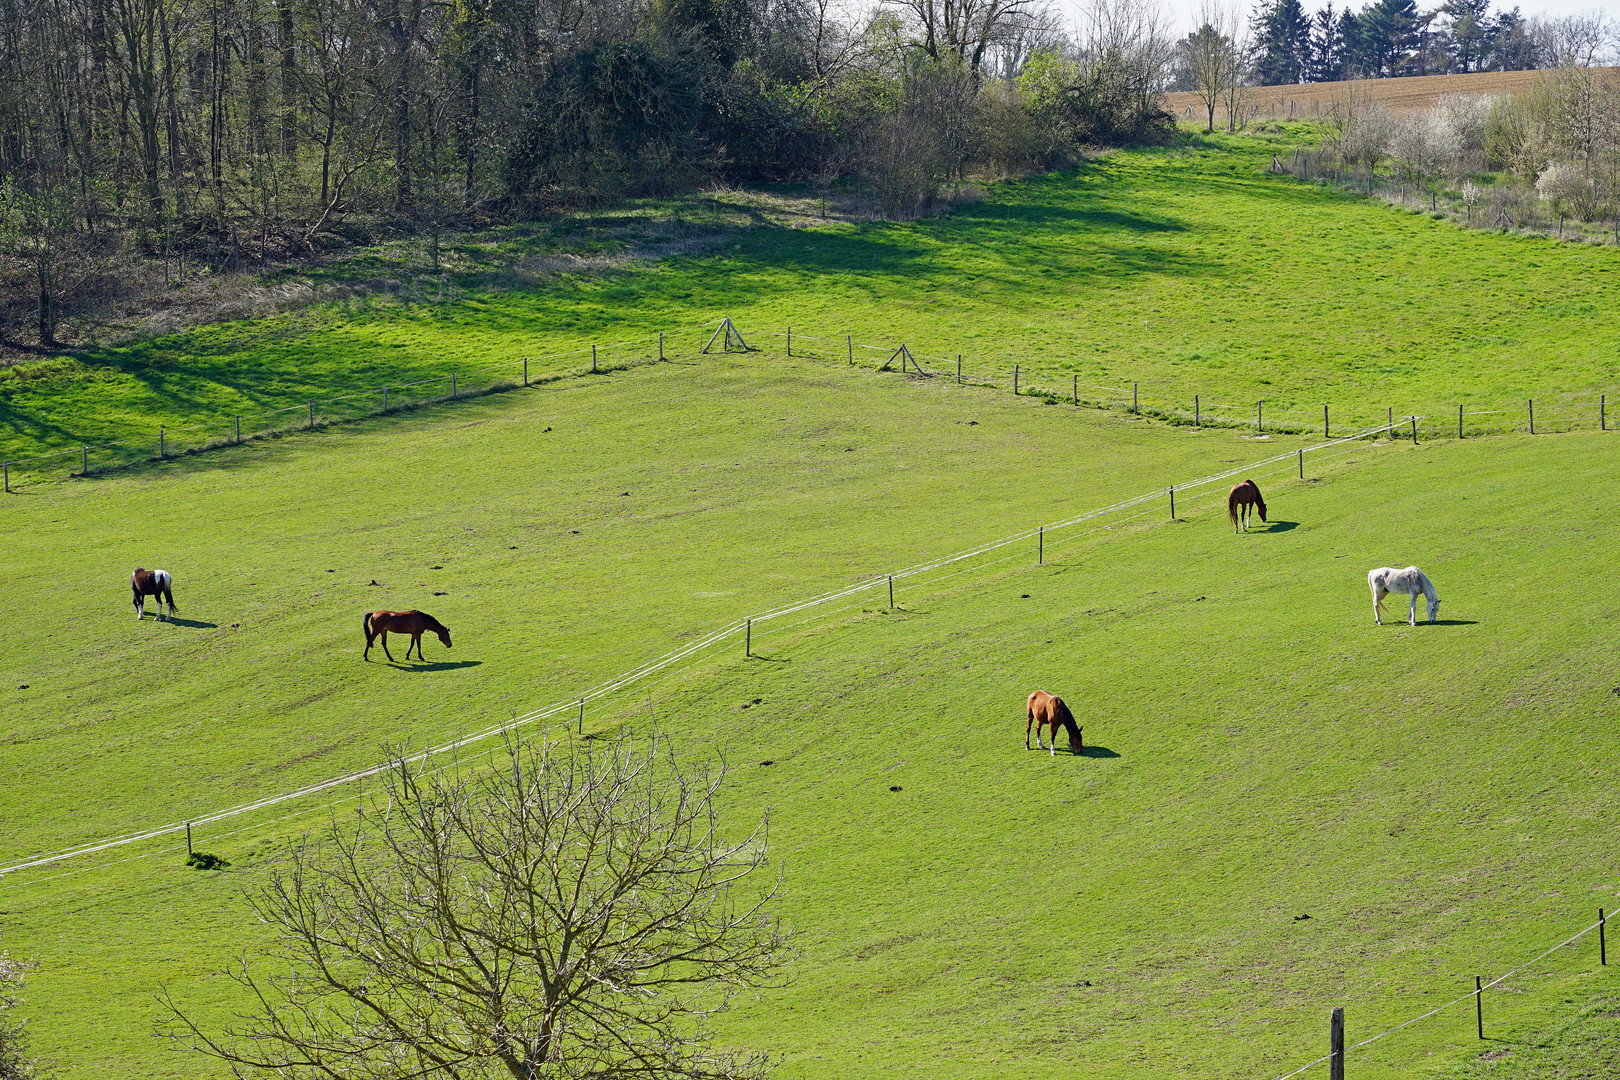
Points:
(650, 667)
(1453, 1002)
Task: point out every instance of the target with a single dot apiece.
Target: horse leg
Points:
(1411, 616)
(1053, 750)
(416, 640)
(140, 607)
(386, 653)
(1029, 722)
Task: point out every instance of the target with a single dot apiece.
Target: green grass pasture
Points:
(1188, 270)
(1438, 800)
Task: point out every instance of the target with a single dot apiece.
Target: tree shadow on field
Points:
(438, 665)
(1099, 752)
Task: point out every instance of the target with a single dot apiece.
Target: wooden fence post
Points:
(582, 716)
(958, 369)
(849, 342)
(1603, 411)
(1015, 380)
(1260, 417)
(188, 841)
(1302, 464)
(790, 340)
(526, 359)
(1325, 422)
(1077, 389)
(161, 453)
(84, 469)
(1336, 1045)
(1389, 421)
(8, 478)
(748, 638)
(1172, 502)
(1603, 946)
(1040, 547)
(660, 347)
(1531, 403)
(1196, 420)
(1414, 431)
(239, 420)
(593, 359)
(1479, 1010)
(312, 416)
(1459, 423)
(452, 387)
(1134, 404)
(891, 590)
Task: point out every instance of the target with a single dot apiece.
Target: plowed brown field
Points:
(1397, 95)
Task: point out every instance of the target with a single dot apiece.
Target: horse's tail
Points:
(1067, 717)
(366, 624)
(1232, 505)
(168, 592)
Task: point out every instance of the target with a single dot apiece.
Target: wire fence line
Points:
(157, 442)
(1037, 378)
(1559, 411)
(728, 633)
(1472, 995)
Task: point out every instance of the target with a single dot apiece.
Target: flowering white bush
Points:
(1567, 188)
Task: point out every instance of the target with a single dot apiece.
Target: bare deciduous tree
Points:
(1211, 56)
(568, 913)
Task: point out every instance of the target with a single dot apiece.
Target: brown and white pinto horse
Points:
(1244, 495)
(144, 583)
(414, 623)
(1046, 710)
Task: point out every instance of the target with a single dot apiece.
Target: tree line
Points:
(1390, 38)
(220, 130)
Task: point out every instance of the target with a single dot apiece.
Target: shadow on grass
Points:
(1282, 526)
(1099, 752)
(192, 624)
(438, 665)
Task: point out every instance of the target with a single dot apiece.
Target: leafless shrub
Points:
(568, 913)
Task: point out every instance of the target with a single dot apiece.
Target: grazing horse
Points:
(1046, 710)
(1244, 495)
(413, 623)
(158, 583)
(1411, 581)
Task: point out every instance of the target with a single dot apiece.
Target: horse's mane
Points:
(1061, 708)
(431, 623)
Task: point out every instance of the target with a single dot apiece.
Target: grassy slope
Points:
(1437, 800)
(1189, 270)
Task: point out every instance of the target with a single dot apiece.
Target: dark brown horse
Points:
(1046, 710)
(414, 623)
(144, 583)
(1244, 495)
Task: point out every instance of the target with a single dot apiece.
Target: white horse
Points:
(1411, 581)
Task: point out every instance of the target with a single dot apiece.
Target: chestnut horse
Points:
(414, 623)
(1046, 710)
(1244, 495)
(158, 583)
